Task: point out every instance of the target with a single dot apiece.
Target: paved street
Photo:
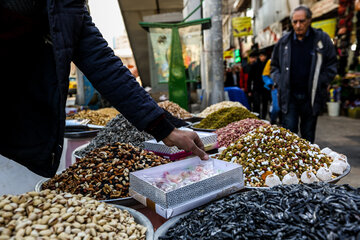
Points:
(342, 134)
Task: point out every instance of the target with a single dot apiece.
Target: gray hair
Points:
(302, 8)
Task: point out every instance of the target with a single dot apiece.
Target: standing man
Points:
(232, 77)
(302, 65)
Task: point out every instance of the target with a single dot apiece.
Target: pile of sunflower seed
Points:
(307, 211)
(119, 129)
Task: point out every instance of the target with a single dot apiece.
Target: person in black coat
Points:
(258, 95)
(232, 77)
(302, 66)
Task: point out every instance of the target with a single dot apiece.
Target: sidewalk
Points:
(342, 134)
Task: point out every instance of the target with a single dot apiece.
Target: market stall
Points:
(262, 182)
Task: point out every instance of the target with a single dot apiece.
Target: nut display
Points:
(223, 117)
(104, 172)
(269, 150)
(98, 117)
(119, 129)
(303, 211)
(48, 215)
(175, 109)
(232, 132)
(215, 107)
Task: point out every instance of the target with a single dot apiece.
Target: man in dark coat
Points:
(302, 65)
(233, 77)
(38, 40)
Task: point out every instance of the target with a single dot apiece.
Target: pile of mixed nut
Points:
(119, 129)
(104, 172)
(271, 155)
(175, 109)
(97, 117)
(49, 215)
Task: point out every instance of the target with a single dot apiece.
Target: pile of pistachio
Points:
(175, 109)
(48, 215)
(271, 153)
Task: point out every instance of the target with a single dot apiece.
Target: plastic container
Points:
(333, 109)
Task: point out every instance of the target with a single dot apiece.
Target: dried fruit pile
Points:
(215, 107)
(119, 129)
(175, 109)
(48, 215)
(98, 117)
(232, 132)
(104, 172)
(311, 211)
(271, 151)
(223, 117)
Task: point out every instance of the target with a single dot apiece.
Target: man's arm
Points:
(115, 82)
(330, 61)
(275, 68)
(111, 78)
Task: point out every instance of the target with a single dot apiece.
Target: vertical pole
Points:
(80, 91)
(213, 81)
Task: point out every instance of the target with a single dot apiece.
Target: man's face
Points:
(300, 23)
(252, 60)
(262, 57)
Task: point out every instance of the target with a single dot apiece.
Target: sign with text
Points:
(242, 26)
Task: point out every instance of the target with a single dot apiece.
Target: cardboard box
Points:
(175, 202)
(208, 139)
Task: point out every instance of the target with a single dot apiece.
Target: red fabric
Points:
(243, 82)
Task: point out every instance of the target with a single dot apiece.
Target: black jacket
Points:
(323, 69)
(34, 130)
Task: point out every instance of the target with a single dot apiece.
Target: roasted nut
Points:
(105, 222)
(232, 132)
(215, 107)
(98, 117)
(103, 177)
(174, 109)
(269, 148)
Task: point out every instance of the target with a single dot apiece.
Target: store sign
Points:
(241, 26)
(229, 54)
(270, 35)
(328, 26)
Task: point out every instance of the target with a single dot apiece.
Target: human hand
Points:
(189, 141)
